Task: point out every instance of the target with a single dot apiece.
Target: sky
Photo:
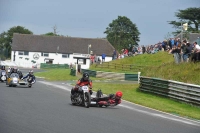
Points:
(90, 18)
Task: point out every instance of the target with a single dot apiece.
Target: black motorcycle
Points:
(81, 97)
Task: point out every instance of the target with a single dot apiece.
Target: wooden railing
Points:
(130, 67)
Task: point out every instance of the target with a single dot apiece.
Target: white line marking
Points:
(183, 120)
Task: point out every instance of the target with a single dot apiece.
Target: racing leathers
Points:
(30, 76)
(82, 82)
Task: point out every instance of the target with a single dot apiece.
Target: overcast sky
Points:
(89, 18)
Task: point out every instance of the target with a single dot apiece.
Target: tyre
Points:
(72, 101)
(87, 99)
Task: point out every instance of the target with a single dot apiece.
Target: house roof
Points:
(192, 37)
(60, 44)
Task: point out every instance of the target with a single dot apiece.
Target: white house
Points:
(29, 50)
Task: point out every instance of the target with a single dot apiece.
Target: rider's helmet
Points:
(118, 95)
(31, 72)
(14, 70)
(85, 76)
(2, 67)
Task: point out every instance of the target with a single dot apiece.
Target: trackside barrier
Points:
(180, 91)
(44, 65)
(112, 75)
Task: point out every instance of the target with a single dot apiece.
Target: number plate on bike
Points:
(84, 88)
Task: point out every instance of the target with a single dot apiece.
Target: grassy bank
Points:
(130, 93)
(160, 65)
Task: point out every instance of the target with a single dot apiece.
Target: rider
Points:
(115, 98)
(13, 70)
(118, 96)
(30, 74)
(3, 67)
(19, 73)
(9, 70)
(81, 82)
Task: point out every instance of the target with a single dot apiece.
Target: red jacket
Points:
(82, 82)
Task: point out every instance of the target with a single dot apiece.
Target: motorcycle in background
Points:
(3, 76)
(81, 97)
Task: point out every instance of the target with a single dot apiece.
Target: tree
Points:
(122, 32)
(190, 16)
(6, 37)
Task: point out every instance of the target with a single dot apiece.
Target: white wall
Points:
(56, 56)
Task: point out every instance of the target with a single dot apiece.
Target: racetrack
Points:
(46, 108)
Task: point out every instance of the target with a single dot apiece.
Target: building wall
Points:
(21, 60)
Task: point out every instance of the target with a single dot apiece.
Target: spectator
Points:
(196, 52)
(176, 51)
(172, 42)
(103, 56)
(92, 58)
(184, 54)
(188, 51)
(164, 45)
(114, 54)
(143, 49)
(125, 52)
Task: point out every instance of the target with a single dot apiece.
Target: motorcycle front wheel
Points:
(87, 99)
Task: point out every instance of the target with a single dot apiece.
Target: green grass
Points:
(133, 94)
(160, 65)
(59, 75)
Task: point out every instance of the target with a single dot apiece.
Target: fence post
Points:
(139, 77)
(76, 69)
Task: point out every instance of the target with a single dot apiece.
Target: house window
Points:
(23, 53)
(65, 55)
(26, 53)
(45, 54)
(20, 53)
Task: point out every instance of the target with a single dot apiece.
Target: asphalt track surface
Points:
(46, 108)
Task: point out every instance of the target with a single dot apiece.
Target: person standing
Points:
(114, 54)
(184, 53)
(103, 56)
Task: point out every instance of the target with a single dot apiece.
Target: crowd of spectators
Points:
(182, 51)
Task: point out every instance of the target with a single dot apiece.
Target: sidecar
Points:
(13, 80)
(101, 100)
